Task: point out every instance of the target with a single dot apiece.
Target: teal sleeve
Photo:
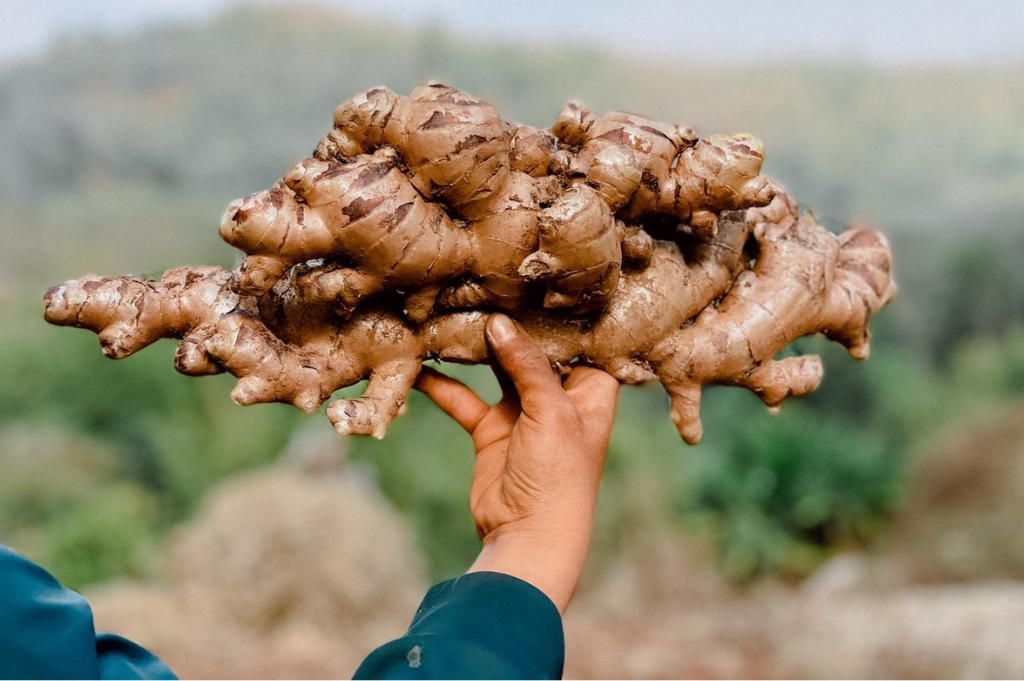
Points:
(46, 632)
(484, 625)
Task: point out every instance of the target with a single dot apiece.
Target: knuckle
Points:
(563, 413)
(524, 355)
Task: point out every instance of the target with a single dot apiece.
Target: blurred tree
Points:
(982, 296)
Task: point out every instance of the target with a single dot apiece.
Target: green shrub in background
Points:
(791, 486)
(173, 434)
(113, 531)
(100, 458)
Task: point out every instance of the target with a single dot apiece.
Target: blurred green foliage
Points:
(166, 441)
(109, 532)
(124, 150)
(788, 487)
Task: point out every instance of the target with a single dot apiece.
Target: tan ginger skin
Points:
(412, 193)
(419, 215)
(643, 167)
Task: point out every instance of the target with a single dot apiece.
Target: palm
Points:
(499, 489)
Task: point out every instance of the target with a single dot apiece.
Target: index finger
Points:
(453, 396)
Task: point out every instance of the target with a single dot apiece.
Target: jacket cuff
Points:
(500, 613)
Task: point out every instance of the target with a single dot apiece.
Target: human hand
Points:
(540, 456)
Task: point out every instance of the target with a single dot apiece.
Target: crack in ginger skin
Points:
(418, 215)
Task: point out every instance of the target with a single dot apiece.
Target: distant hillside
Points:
(227, 106)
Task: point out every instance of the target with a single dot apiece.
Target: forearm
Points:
(549, 556)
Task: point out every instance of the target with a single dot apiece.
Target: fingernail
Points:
(502, 328)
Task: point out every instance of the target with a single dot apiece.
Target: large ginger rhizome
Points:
(621, 242)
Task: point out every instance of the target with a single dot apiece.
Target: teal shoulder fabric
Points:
(484, 625)
(46, 632)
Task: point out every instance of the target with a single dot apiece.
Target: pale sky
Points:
(888, 32)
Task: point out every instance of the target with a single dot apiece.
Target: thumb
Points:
(540, 392)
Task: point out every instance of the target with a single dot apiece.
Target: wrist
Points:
(550, 556)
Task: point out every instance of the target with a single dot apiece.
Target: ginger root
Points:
(417, 216)
(426, 193)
